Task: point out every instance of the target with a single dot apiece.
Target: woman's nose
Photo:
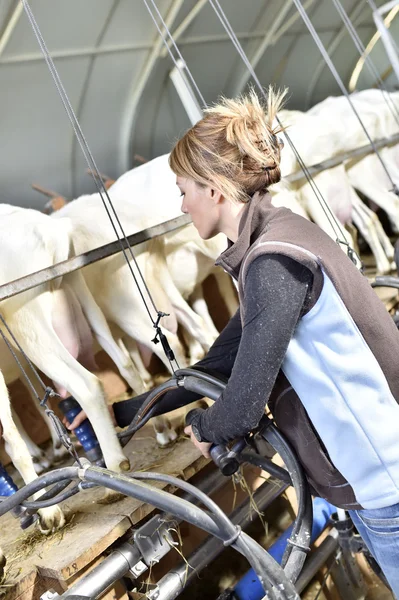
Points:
(183, 208)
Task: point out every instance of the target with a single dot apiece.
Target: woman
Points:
(311, 338)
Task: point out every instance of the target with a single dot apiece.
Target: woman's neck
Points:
(230, 219)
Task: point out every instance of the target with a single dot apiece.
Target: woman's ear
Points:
(216, 196)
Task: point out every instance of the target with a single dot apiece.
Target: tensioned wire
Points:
(169, 49)
(374, 8)
(367, 59)
(95, 172)
(341, 85)
(336, 226)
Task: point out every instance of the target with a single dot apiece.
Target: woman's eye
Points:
(182, 194)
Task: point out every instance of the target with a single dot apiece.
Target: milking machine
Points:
(85, 432)
(146, 545)
(8, 488)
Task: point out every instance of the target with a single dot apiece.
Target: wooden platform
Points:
(36, 563)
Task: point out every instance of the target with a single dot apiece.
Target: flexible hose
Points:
(385, 281)
(265, 464)
(218, 382)
(50, 501)
(264, 565)
(66, 473)
(259, 559)
(298, 544)
(36, 504)
(149, 406)
(144, 414)
(297, 548)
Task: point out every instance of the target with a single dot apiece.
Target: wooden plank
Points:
(95, 525)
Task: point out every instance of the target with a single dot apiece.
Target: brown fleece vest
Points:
(265, 229)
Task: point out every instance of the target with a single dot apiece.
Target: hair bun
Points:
(234, 148)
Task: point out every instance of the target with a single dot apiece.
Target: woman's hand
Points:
(203, 447)
(80, 417)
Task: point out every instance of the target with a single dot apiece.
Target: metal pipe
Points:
(178, 32)
(112, 568)
(386, 38)
(21, 59)
(186, 93)
(137, 89)
(87, 258)
(344, 156)
(10, 26)
(127, 557)
(173, 583)
(387, 7)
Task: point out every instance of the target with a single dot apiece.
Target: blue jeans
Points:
(379, 529)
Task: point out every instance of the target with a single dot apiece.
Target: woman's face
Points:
(203, 206)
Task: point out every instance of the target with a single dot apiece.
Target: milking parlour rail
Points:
(28, 282)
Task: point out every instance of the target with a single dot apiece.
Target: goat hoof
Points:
(41, 464)
(110, 497)
(166, 438)
(124, 465)
(50, 519)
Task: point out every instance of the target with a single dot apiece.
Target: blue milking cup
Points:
(85, 432)
(8, 488)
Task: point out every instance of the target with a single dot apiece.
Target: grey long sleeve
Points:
(275, 293)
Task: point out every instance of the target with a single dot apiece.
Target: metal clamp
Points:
(154, 540)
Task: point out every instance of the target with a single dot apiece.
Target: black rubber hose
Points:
(219, 381)
(301, 532)
(258, 558)
(149, 406)
(220, 517)
(66, 473)
(147, 409)
(385, 281)
(36, 504)
(265, 464)
(300, 538)
(261, 561)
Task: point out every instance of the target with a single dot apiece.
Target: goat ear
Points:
(108, 183)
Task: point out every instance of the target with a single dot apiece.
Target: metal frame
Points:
(186, 93)
(10, 26)
(133, 98)
(244, 77)
(313, 6)
(329, 163)
(28, 282)
(177, 33)
(271, 38)
(357, 11)
(82, 97)
(115, 49)
(386, 38)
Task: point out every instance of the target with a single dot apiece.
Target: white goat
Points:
(51, 331)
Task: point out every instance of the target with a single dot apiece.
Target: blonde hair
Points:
(234, 148)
